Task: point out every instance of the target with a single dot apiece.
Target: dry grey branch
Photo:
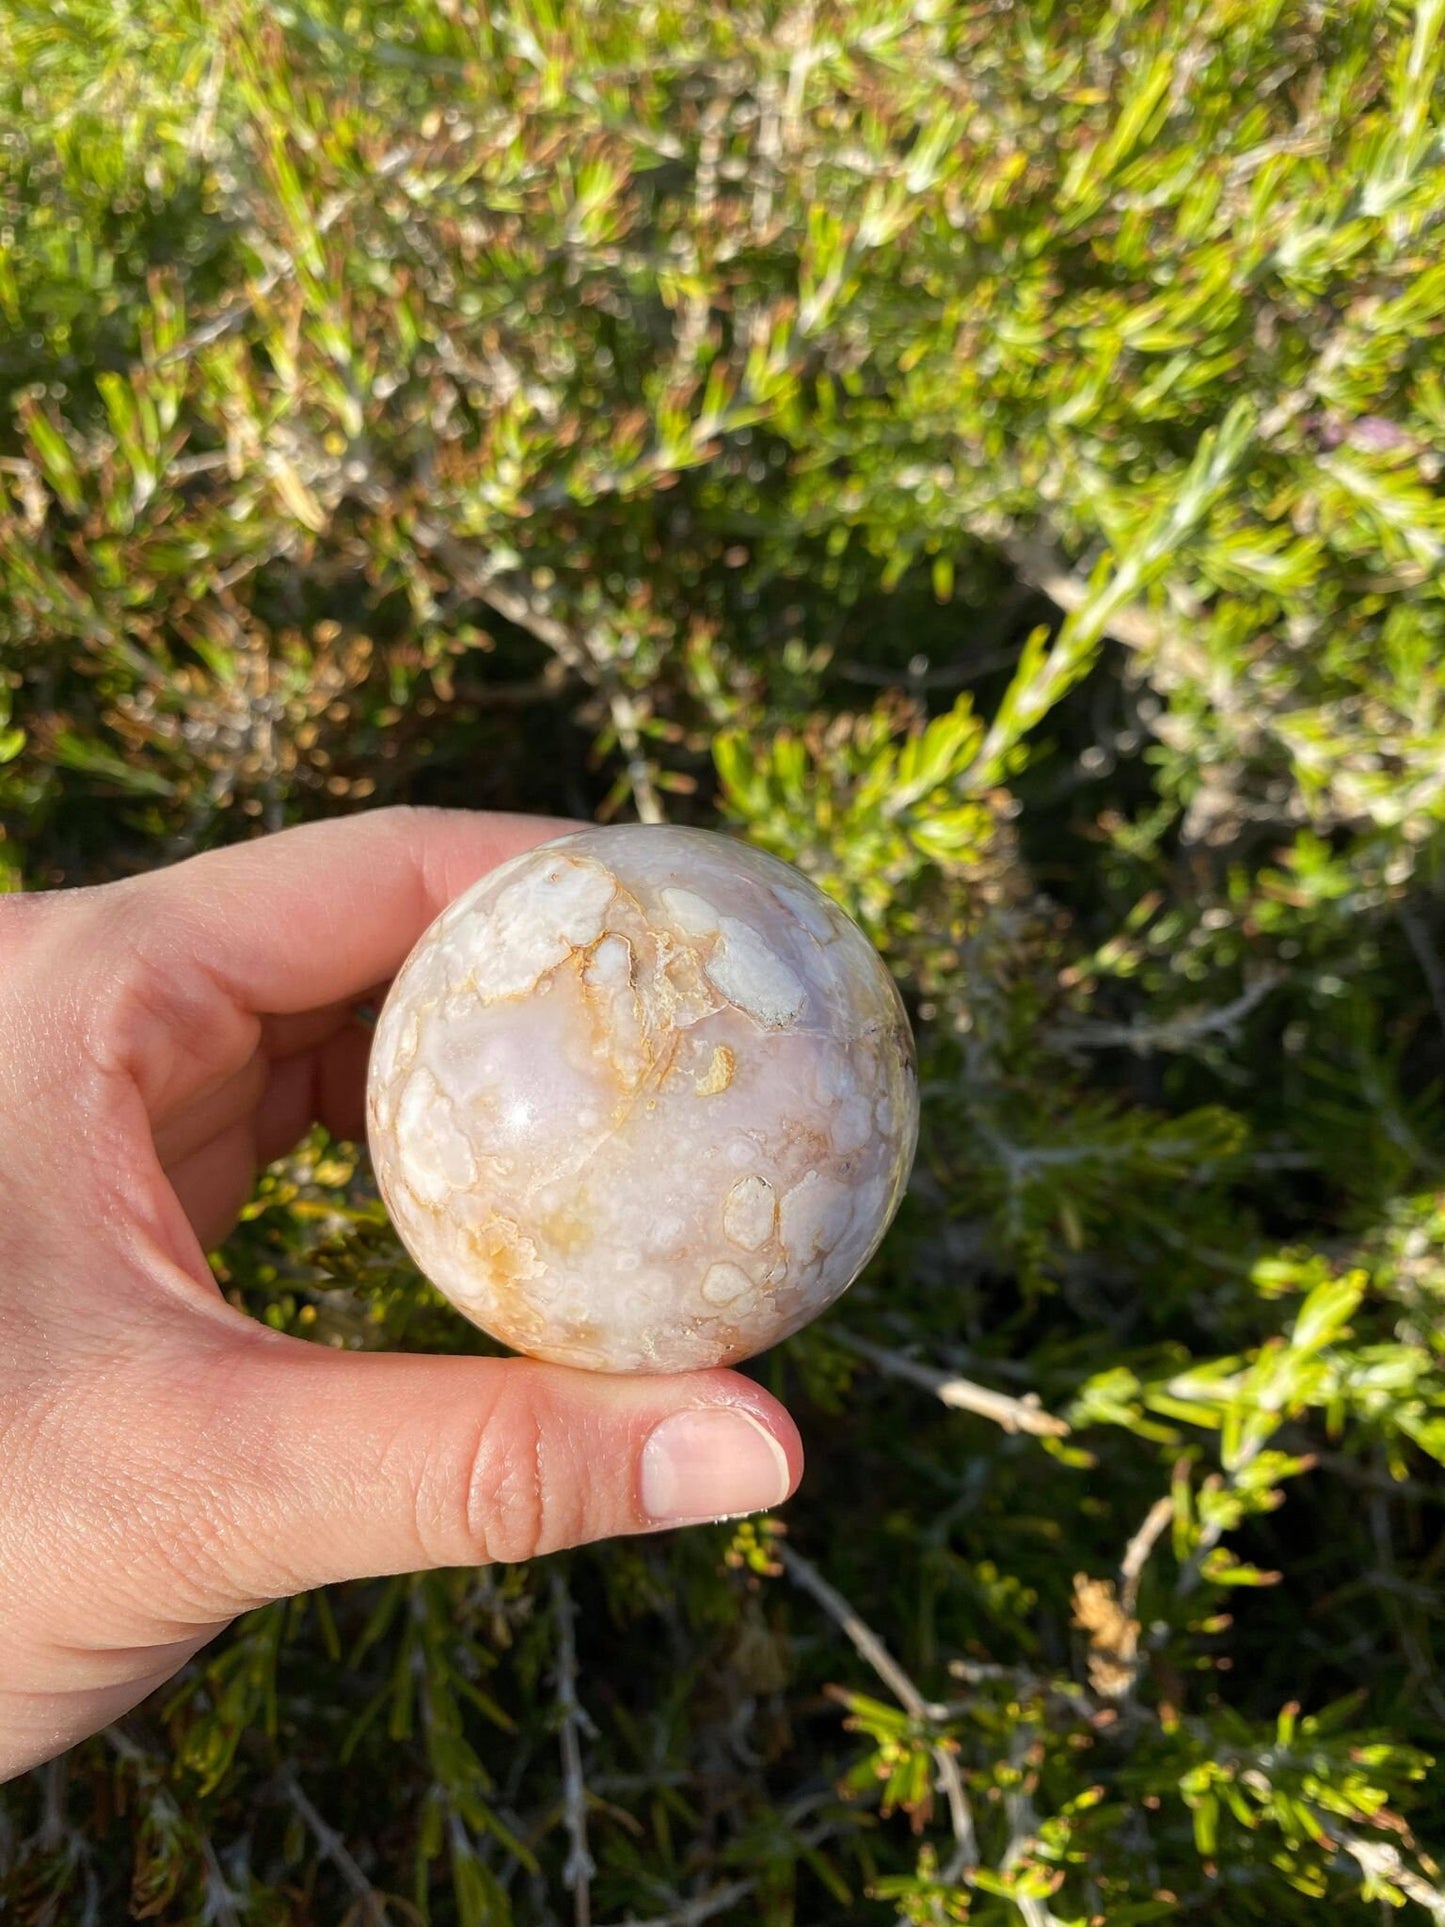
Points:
(693, 1913)
(1145, 1035)
(1023, 1824)
(1381, 1860)
(717, 1900)
(332, 1847)
(529, 609)
(1136, 1553)
(1024, 1414)
(870, 1647)
(573, 1723)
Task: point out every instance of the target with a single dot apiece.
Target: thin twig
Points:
(1024, 1414)
(235, 314)
(692, 1913)
(865, 1641)
(1136, 1553)
(332, 1847)
(527, 608)
(717, 1900)
(1023, 1824)
(870, 1647)
(1038, 562)
(221, 1897)
(1192, 1571)
(530, 611)
(1380, 1860)
(625, 720)
(198, 145)
(1106, 1612)
(1144, 1035)
(580, 1867)
(1066, 1694)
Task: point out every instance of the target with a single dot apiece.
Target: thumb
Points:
(341, 1466)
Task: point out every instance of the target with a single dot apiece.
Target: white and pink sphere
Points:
(642, 1100)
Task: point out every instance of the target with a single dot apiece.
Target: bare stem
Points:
(529, 609)
(332, 1847)
(220, 1899)
(1182, 1033)
(1136, 1553)
(625, 720)
(1024, 1414)
(1380, 1860)
(692, 1913)
(580, 1866)
(1023, 1823)
(1039, 562)
(1210, 1535)
(717, 1900)
(870, 1647)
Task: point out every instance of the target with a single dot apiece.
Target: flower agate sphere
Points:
(642, 1100)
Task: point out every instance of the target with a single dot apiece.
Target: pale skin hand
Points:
(165, 1462)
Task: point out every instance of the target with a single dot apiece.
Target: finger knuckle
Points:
(408, 822)
(156, 1015)
(139, 1526)
(208, 1517)
(22, 918)
(42, 939)
(523, 1491)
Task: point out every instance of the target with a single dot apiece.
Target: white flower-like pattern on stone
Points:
(643, 1099)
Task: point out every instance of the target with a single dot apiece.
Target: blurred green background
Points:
(989, 454)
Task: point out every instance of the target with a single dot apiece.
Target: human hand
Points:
(167, 1463)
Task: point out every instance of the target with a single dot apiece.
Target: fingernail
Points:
(717, 1462)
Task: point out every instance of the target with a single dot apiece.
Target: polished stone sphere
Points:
(642, 1100)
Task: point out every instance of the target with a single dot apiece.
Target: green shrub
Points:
(989, 454)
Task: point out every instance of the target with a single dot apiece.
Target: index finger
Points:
(317, 914)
